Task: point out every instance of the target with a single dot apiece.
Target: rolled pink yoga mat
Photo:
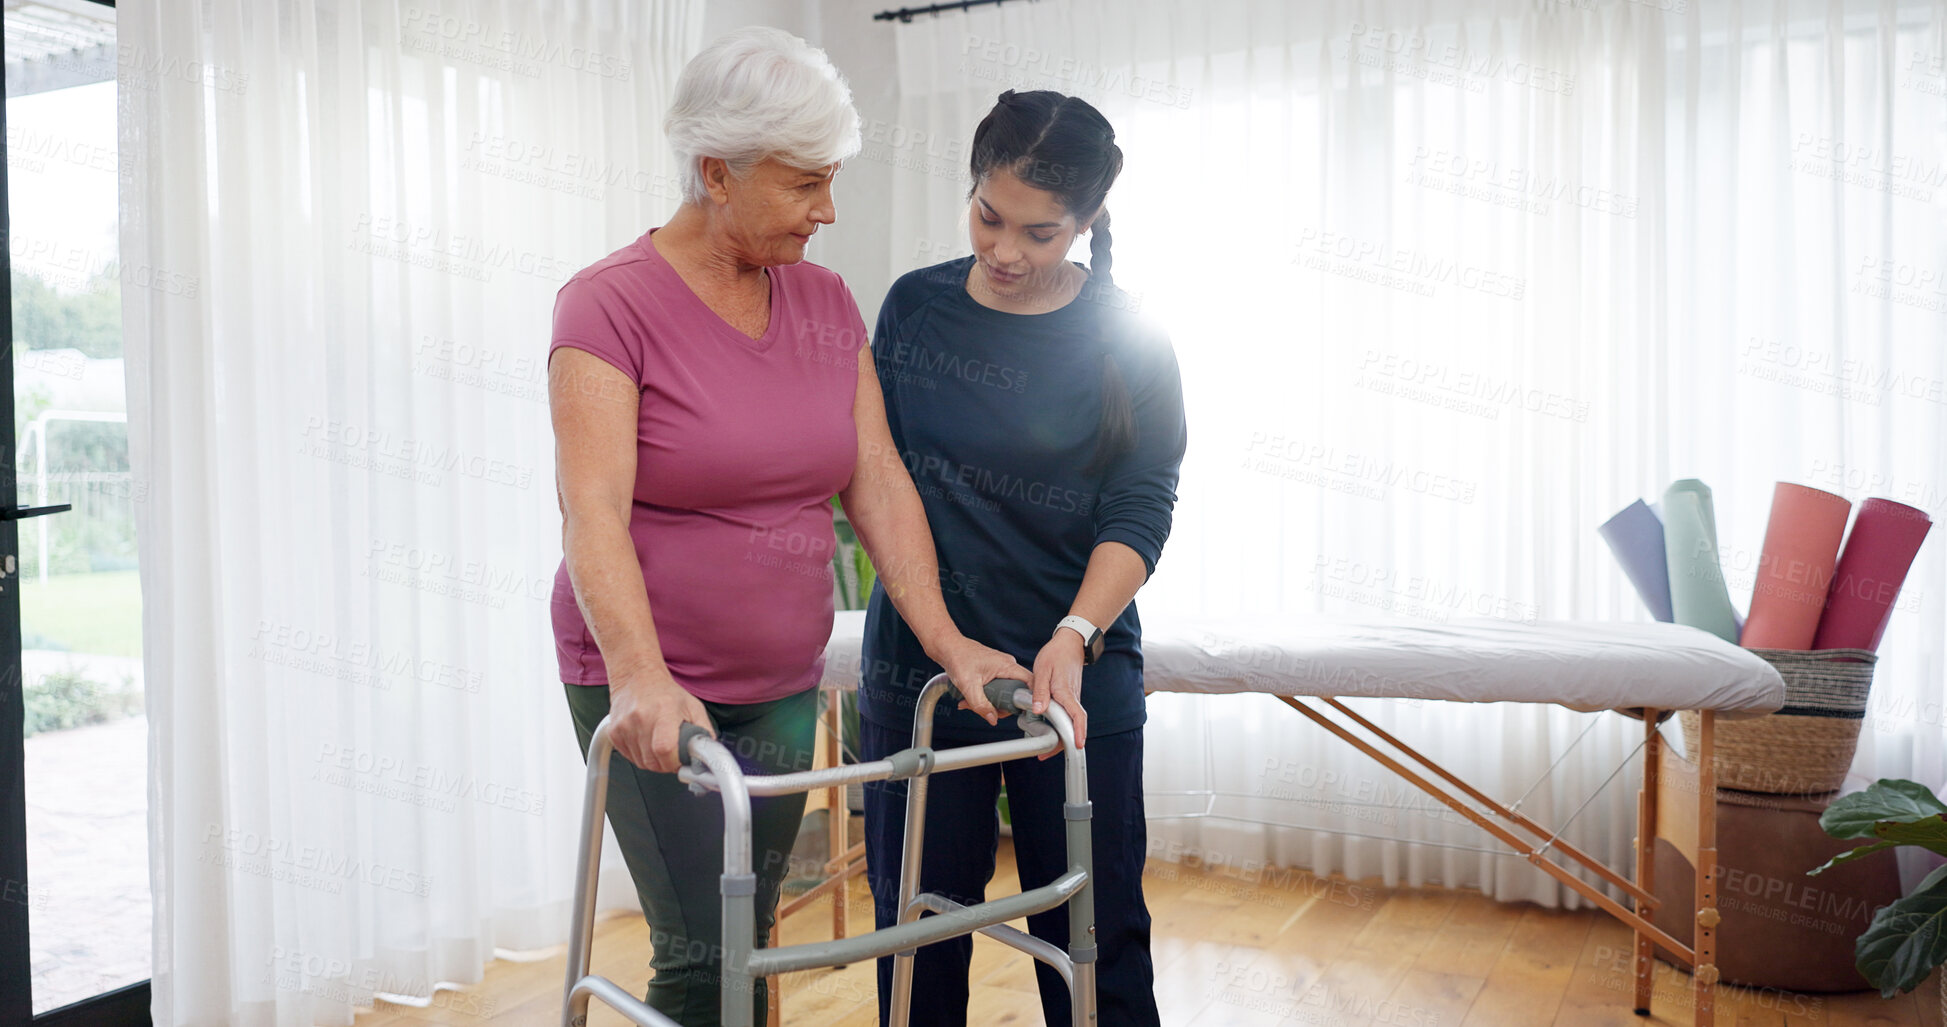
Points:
(1801, 548)
(1885, 537)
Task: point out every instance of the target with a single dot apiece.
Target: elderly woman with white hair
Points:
(711, 392)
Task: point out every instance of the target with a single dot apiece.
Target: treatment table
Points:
(1312, 663)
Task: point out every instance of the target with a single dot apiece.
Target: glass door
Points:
(74, 893)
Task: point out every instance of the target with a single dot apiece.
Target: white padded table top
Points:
(1584, 665)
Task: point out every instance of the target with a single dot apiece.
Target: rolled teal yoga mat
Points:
(1697, 593)
(1636, 537)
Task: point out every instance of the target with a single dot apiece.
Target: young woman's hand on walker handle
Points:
(647, 714)
(1115, 572)
(1058, 677)
(970, 666)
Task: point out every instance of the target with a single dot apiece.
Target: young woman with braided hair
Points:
(1043, 424)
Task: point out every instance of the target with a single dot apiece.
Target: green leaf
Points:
(1846, 857)
(1930, 833)
(1907, 939)
(851, 567)
(1858, 815)
(866, 574)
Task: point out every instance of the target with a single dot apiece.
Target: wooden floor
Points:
(1236, 953)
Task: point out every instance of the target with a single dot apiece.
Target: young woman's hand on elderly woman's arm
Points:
(595, 408)
(886, 512)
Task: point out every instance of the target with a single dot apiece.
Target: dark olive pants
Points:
(672, 842)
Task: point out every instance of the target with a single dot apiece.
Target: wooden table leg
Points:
(1704, 984)
(837, 816)
(774, 1013)
(1646, 855)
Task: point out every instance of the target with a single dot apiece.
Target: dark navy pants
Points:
(962, 837)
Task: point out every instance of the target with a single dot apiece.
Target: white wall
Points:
(858, 246)
(796, 16)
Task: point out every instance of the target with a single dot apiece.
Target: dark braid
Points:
(1063, 145)
(1100, 261)
(1116, 433)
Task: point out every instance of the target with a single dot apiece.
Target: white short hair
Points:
(758, 93)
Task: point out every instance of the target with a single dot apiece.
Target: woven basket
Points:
(1807, 746)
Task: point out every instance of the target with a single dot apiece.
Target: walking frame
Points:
(713, 767)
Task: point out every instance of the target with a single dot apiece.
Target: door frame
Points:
(127, 1005)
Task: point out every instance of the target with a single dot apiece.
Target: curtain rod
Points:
(904, 15)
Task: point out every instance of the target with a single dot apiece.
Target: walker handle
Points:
(1000, 692)
(688, 733)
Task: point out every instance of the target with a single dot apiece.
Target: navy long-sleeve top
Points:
(996, 417)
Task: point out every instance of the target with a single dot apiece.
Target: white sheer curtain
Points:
(1451, 284)
(363, 774)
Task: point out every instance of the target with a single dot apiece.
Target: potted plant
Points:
(1908, 938)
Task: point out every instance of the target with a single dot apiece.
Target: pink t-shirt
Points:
(740, 445)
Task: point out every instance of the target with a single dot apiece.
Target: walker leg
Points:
(738, 886)
(739, 930)
(909, 863)
(1081, 999)
(581, 931)
(1078, 811)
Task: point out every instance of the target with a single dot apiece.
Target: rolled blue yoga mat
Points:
(1698, 596)
(1635, 535)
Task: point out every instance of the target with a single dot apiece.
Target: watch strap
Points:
(1092, 637)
